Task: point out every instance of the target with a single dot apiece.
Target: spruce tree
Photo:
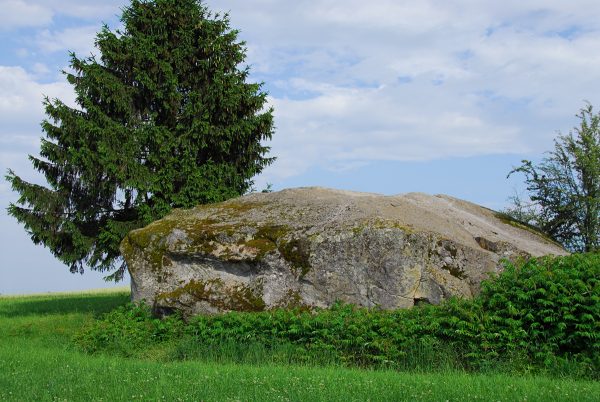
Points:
(165, 118)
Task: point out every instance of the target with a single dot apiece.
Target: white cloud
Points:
(353, 81)
(21, 112)
(18, 13)
(35, 13)
(391, 16)
(21, 99)
(85, 9)
(346, 127)
(40, 69)
(22, 52)
(79, 40)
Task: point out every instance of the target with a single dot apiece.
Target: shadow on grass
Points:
(62, 304)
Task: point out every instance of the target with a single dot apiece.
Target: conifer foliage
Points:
(165, 118)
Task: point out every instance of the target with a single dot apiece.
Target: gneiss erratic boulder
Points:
(314, 246)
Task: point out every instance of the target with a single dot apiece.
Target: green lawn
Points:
(38, 361)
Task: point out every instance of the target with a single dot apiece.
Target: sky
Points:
(384, 96)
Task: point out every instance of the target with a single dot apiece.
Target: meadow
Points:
(96, 346)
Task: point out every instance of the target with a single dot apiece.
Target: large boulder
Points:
(314, 246)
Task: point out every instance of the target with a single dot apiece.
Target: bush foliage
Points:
(538, 315)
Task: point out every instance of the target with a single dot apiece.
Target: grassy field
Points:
(38, 361)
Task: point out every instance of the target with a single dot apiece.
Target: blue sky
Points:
(383, 96)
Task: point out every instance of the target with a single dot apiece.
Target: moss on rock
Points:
(381, 224)
(146, 237)
(272, 232)
(292, 300)
(455, 272)
(238, 297)
(297, 253)
(509, 220)
(198, 290)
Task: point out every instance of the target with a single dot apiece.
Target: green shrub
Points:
(128, 330)
(541, 314)
(547, 306)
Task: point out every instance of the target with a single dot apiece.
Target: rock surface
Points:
(313, 246)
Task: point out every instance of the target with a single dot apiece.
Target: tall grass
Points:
(49, 374)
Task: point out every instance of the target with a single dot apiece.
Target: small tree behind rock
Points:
(564, 188)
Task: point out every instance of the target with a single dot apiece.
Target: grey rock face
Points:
(314, 246)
